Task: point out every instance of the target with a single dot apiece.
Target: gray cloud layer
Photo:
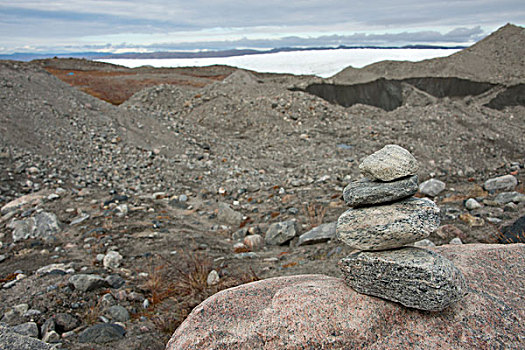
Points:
(49, 24)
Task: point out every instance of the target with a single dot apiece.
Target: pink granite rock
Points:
(321, 312)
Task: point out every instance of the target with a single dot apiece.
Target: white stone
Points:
(472, 204)
(112, 260)
(432, 187)
(455, 240)
(213, 278)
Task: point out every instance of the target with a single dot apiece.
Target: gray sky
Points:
(117, 25)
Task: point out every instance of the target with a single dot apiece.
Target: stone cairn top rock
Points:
(382, 220)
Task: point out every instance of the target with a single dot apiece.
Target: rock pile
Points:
(383, 219)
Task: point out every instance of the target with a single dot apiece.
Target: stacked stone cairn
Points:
(382, 220)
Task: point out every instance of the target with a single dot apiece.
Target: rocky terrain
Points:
(127, 215)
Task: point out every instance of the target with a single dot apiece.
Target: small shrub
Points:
(315, 214)
(174, 288)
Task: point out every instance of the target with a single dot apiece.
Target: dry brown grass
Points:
(92, 314)
(175, 287)
(509, 238)
(114, 87)
(477, 191)
(315, 214)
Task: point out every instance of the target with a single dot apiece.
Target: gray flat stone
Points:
(319, 234)
(505, 182)
(229, 216)
(102, 333)
(118, 313)
(9, 339)
(43, 225)
(509, 197)
(66, 321)
(86, 283)
(366, 192)
(281, 232)
(388, 226)
(413, 277)
(29, 200)
(29, 329)
(432, 187)
(389, 163)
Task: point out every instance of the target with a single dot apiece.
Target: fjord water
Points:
(323, 63)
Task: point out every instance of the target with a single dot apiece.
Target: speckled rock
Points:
(414, 277)
(389, 163)
(388, 226)
(432, 187)
(319, 234)
(321, 312)
(366, 192)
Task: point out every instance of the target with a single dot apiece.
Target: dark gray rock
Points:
(389, 163)
(388, 226)
(86, 283)
(505, 182)
(281, 232)
(65, 322)
(413, 277)
(29, 329)
(115, 281)
(12, 340)
(118, 313)
(432, 187)
(366, 192)
(102, 333)
(319, 234)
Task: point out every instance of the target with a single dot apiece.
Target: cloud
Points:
(456, 36)
(75, 23)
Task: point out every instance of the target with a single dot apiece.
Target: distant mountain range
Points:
(201, 54)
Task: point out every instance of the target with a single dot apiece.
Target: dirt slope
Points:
(499, 58)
